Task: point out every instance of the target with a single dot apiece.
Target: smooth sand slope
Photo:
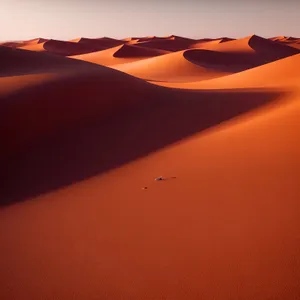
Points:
(284, 72)
(22, 62)
(120, 55)
(231, 213)
(67, 48)
(56, 93)
(255, 46)
(191, 65)
(209, 43)
(19, 44)
(177, 67)
(81, 216)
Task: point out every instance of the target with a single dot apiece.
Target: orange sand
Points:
(81, 215)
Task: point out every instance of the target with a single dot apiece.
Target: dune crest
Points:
(119, 55)
(150, 168)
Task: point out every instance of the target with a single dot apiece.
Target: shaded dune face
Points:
(119, 55)
(84, 138)
(168, 45)
(283, 72)
(234, 62)
(55, 128)
(21, 62)
(128, 51)
(68, 48)
(269, 49)
(99, 44)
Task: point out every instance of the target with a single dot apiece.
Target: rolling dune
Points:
(87, 128)
(190, 65)
(119, 55)
(100, 43)
(284, 72)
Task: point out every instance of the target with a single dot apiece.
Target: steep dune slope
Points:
(22, 62)
(255, 45)
(232, 209)
(190, 65)
(81, 214)
(279, 73)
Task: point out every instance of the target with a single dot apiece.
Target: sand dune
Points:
(119, 55)
(232, 208)
(171, 43)
(19, 44)
(81, 216)
(265, 48)
(100, 43)
(22, 62)
(190, 65)
(209, 43)
(284, 72)
(67, 48)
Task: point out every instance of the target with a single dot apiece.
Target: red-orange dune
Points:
(119, 55)
(82, 216)
(99, 43)
(19, 44)
(283, 72)
(67, 48)
(171, 43)
(181, 66)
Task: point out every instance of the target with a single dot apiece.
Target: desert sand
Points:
(87, 126)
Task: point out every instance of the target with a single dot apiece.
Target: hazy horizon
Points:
(66, 20)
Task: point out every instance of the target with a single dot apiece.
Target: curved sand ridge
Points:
(19, 44)
(36, 105)
(270, 50)
(232, 209)
(22, 62)
(290, 41)
(65, 48)
(283, 72)
(209, 43)
(190, 65)
(83, 141)
(99, 43)
(172, 43)
(119, 55)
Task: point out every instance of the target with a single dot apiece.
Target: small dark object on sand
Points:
(145, 188)
(164, 178)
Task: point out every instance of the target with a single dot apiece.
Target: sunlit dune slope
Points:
(190, 65)
(119, 55)
(284, 72)
(233, 208)
(67, 48)
(255, 45)
(33, 106)
(19, 44)
(22, 62)
(208, 43)
(81, 214)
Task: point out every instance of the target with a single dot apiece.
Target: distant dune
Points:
(150, 168)
(120, 54)
(279, 73)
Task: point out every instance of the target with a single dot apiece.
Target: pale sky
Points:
(67, 19)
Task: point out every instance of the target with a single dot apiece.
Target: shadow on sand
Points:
(95, 146)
